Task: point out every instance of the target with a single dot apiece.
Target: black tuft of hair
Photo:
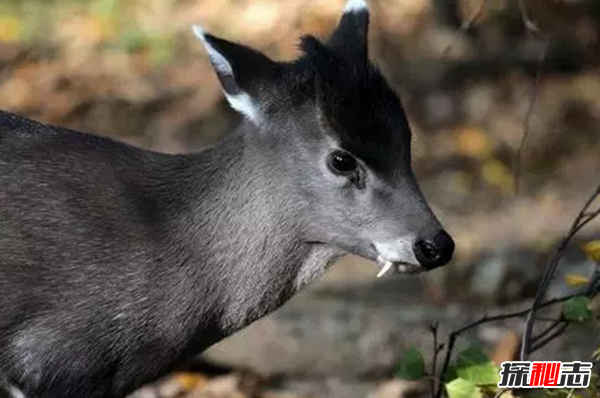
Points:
(351, 35)
(357, 103)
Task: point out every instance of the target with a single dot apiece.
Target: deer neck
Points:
(241, 235)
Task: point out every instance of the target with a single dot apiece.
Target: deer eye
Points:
(342, 163)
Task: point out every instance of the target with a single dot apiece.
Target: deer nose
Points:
(435, 252)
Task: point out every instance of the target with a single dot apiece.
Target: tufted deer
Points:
(117, 264)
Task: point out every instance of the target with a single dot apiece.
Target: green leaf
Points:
(461, 388)
(451, 373)
(475, 366)
(412, 365)
(576, 309)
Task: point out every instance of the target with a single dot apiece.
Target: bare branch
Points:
(580, 221)
(550, 329)
(434, 328)
(501, 392)
(488, 319)
(465, 26)
(529, 343)
(528, 22)
(550, 334)
(527, 118)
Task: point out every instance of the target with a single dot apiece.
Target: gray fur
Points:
(118, 264)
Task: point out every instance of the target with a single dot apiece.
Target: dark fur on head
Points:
(357, 103)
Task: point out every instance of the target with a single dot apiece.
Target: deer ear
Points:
(240, 70)
(351, 35)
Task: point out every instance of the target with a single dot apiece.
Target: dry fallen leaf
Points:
(592, 250)
(190, 381)
(506, 348)
(10, 29)
(475, 143)
(575, 280)
(498, 174)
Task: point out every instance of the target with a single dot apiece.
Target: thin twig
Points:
(590, 215)
(530, 343)
(551, 332)
(532, 28)
(587, 204)
(559, 326)
(488, 319)
(465, 26)
(527, 119)
(501, 392)
(528, 22)
(578, 224)
(516, 314)
(550, 336)
(449, 348)
(549, 329)
(436, 350)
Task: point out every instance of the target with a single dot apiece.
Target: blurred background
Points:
(133, 70)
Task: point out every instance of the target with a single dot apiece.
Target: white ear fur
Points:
(356, 6)
(241, 101)
(244, 104)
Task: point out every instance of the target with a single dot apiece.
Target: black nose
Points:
(434, 253)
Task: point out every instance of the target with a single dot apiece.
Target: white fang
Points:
(386, 267)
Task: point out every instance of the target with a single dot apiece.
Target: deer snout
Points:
(435, 252)
(413, 255)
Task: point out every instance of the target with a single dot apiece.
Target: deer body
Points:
(117, 264)
(172, 268)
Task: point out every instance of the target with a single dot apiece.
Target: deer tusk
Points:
(386, 267)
